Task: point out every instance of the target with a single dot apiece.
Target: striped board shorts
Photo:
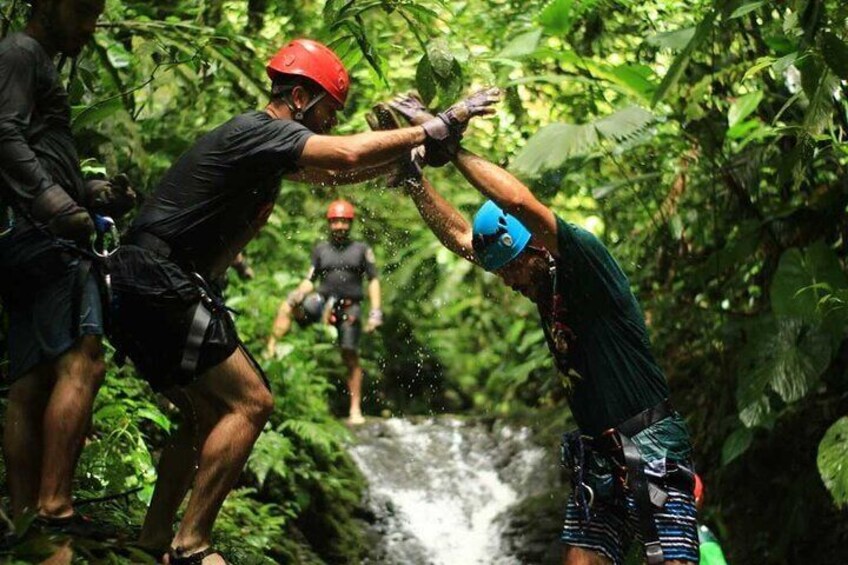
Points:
(613, 527)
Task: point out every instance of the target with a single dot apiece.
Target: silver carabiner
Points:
(105, 225)
(590, 492)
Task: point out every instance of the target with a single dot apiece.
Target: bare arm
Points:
(449, 226)
(282, 323)
(361, 150)
(374, 294)
(512, 195)
(327, 177)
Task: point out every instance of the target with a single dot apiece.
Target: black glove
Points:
(113, 197)
(436, 153)
(63, 216)
(454, 120)
(445, 130)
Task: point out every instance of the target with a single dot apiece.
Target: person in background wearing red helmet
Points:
(711, 553)
(340, 263)
(173, 324)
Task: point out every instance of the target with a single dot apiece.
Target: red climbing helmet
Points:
(699, 490)
(340, 209)
(315, 61)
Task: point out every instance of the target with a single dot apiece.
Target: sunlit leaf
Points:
(441, 58)
(681, 62)
(676, 40)
(743, 106)
(556, 18)
(552, 145)
(522, 45)
(747, 8)
(832, 461)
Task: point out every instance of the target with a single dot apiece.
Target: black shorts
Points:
(153, 305)
(52, 298)
(347, 319)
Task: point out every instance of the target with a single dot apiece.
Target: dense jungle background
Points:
(703, 141)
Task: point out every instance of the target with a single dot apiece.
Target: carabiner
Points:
(104, 225)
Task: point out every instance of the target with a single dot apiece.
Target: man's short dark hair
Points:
(283, 84)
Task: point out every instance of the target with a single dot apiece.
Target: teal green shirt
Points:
(613, 373)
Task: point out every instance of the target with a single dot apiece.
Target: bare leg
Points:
(175, 472)
(572, 555)
(79, 374)
(23, 437)
(244, 404)
(354, 384)
(282, 325)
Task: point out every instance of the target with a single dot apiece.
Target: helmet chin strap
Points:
(298, 115)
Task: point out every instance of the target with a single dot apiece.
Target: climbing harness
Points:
(611, 466)
(558, 333)
(209, 305)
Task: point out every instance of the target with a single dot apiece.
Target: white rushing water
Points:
(441, 486)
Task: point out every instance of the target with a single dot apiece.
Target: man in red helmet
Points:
(340, 263)
(214, 199)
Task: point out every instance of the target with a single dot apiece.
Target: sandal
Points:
(76, 525)
(193, 559)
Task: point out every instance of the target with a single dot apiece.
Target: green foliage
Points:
(575, 140)
(725, 204)
(833, 461)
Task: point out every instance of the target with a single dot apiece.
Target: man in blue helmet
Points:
(630, 457)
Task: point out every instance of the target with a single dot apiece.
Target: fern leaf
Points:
(312, 433)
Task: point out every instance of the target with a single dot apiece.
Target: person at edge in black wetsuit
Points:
(211, 202)
(630, 458)
(47, 286)
(339, 263)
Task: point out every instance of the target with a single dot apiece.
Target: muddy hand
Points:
(453, 121)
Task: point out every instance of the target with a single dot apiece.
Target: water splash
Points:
(438, 486)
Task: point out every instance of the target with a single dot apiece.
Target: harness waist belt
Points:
(645, 419)
(151, 242)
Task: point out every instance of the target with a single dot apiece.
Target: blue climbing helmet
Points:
(498, 237)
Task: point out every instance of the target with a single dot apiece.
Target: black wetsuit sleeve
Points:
(370, 263)
(19, 167)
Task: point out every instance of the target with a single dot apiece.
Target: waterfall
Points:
(437, 487)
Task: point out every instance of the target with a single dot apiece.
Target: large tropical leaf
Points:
(803, 277)
(832, 461)
(552, 145)
(785, 356)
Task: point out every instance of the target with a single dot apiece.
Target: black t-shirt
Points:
(36, 145)
(221, 191)
(615, 375)
(341, 268)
